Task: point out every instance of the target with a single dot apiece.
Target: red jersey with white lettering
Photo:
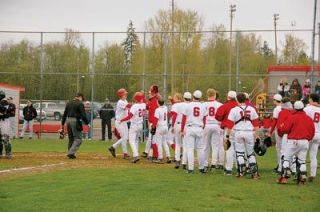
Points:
(211, 108)
(224, 110)
(243, 118)
(314, 113)
(151, 107)
(161, 114)
(137, 111)
(282, 117)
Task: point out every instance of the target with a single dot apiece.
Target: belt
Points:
(213, 123)
(191, 125)
(243, 130)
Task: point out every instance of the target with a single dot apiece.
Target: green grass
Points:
(149, 188)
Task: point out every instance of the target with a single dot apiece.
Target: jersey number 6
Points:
(196, 111)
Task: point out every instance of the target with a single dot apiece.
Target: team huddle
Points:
(230, 131)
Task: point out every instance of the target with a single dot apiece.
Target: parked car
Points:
(43, 117)
(52, 109)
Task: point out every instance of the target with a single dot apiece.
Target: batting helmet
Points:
(154, 89)
(259, 147)
(2, 95)
(122, 92)
(138, 96)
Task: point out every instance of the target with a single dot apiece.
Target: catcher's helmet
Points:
(122, 92)
(267, 141)
(2, 95)
(259, 147)
(138, 96)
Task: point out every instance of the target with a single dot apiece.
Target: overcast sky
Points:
(114, 15)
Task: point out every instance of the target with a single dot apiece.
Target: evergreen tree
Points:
(129, 46)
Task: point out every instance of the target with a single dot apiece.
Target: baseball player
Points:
(152, 105)
(313, 111)
(136, 116)
(212, 133)
(122, 108)
(12, 114)
(193, 122)
(285, 113)
(222, 116)
(4, 126)
(277, 102)
(300, 129)
(243, 120)
(176, 117)
(160, 130)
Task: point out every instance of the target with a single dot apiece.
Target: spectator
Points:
(283, 87)
(306, 90)
(295, 90)
(317, 88)
(87, 109)
(29, 114)
(106, 114)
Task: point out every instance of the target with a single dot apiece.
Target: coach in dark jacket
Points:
(106, 114)
(29, 114)
(73, 115)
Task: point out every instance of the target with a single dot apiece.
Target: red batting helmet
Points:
(121, 92)
(138, 96)
(154, 89)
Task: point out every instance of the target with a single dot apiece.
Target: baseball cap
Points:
(247, 95)
(277, 97)
(232, 94)
(298, 105)
(187, 95)
(197, 94)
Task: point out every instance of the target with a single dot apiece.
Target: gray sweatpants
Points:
(74, 135)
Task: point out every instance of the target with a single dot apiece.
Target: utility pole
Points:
(275, 19)
(313, 43)
(318, 43)
(232, 10)
(172, 47)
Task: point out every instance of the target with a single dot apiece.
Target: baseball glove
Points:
(61, 134)
(226, 144)
(267, 141)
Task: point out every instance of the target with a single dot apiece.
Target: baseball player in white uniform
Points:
(313, 111)
(244, 120)
(161, 130)
(277, 102)
(136, 118)
(212, 133)
(122, 108)
(193, 121)
(4, 126)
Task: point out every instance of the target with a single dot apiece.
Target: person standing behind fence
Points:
(29, 114)
(90, 116)
(12, 113)
(73, 114)
(106, 114)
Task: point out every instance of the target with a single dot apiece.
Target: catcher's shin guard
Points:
(241, 163)
(301, 175)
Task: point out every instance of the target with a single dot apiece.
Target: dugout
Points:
(13, 91)
(275, 73)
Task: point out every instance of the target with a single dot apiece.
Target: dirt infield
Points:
(27, 163)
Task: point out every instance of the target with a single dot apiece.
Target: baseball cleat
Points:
(135, 159)
(112, 151)
(311, 178)
(283, 180)
(213, 168)
(144, 155)
(184, 166)
(190, 172)
(300, 182)
(158, 161)
(168, 160)
(255, 176)
(228, 172)
(71, 156)
(126, 156)
(202, 171)
(177, 165)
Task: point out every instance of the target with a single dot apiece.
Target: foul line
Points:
(29, 168)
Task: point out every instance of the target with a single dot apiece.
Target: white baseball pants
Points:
(123, 131)
(313, 151)
(193, 139)
(213, 137)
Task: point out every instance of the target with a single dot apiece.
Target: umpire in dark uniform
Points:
(106, 114)
(73, 114)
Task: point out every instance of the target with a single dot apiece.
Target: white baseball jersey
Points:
(121, 109)
(237, 113)
(194, 111)
(276, 112)
(314, 113)
(161, 114)
(211, 108)
(178, 108)
(137, 111)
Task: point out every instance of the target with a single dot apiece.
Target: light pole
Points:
(172, 46)
(232, 10)
(275, 19)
